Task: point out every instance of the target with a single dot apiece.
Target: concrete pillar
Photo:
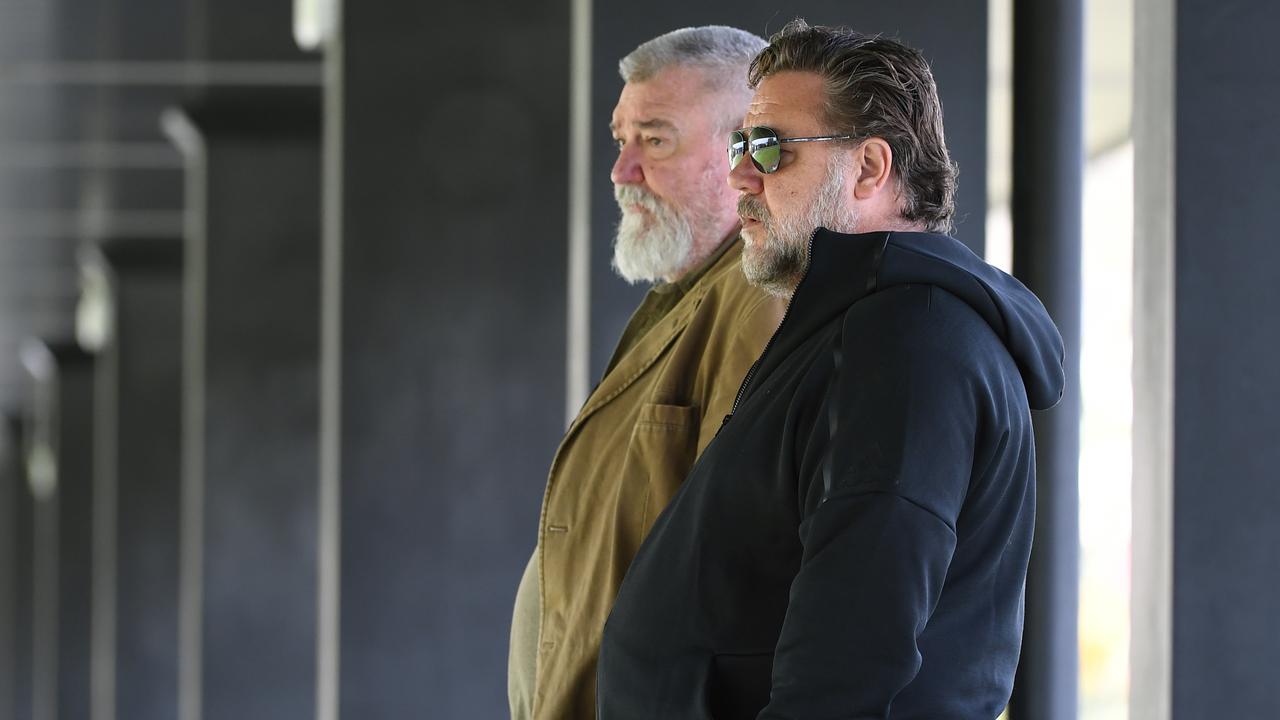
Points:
(60, 468)
(138, 388)
(446, 205)
(15, 575)
(250, 392)
(1206, 382)
(1048, 186)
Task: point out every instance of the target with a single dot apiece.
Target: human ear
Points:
(873, 164)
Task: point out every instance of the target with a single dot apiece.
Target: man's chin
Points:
(775, 274)
(754, 265)
(633, 229)
(778, 284)
(752, 235)
(640, 217)
(756, 247)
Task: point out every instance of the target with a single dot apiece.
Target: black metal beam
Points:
(1048, 174)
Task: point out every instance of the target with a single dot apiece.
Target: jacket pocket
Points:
(739, 685)
(664, 446)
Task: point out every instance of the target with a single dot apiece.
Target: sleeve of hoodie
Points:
(884, 473)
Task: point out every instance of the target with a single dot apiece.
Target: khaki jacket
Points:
(666, 391)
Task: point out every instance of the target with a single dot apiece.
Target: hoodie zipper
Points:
(746, 381)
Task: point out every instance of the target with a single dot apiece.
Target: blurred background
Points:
(297, 295)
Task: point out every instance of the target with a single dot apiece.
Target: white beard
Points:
(776, 262)
(652, 245)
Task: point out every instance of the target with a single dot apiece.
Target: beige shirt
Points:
(522, 658)
(671, 381)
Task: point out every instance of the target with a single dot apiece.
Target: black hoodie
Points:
(854, 542)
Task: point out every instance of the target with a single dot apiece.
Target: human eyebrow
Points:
(656, 124)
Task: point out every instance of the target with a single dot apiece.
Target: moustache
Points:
(752, 207)
(632, 195)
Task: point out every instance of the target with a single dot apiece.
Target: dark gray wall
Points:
(62, 415)
(34, 300)
(240, 31)
(15, 516)
(23, 559)
(453, 174)
(953, 35)
(1226, 570)
(103, 31)
(254, 315)
(74, 426)
(24, 583)
(141, 408)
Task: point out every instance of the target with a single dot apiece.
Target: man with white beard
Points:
(675, 372)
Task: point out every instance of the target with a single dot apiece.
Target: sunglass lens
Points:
(765, 150)
(737, 148)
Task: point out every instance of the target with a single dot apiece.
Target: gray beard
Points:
(777, 262)
(650, 246)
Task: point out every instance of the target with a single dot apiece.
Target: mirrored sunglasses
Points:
(764, 146)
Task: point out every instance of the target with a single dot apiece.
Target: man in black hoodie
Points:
(854, 541)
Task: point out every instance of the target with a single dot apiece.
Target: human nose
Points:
(745, 178)
(627, 169)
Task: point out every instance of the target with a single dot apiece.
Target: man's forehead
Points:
(785, 120)
(674, 96)
(763, 108)
(642, 107)
(787, 102)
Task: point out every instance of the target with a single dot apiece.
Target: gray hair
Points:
(724, 53)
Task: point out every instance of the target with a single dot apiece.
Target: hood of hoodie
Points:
(846, 268)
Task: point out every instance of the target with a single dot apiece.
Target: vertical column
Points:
(444, 348)
(138, 387)
(1151, 605)
(1048, 176)
(1207, 387)
(250, 393)
(14, 518)
(60, 467)
(22, 618)
(8, 587)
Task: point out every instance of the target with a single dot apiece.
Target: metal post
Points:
(1048, 160)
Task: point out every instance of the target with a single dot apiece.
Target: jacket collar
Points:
(842, 269)
(664, 297)
(690, 279)
(628, 365)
